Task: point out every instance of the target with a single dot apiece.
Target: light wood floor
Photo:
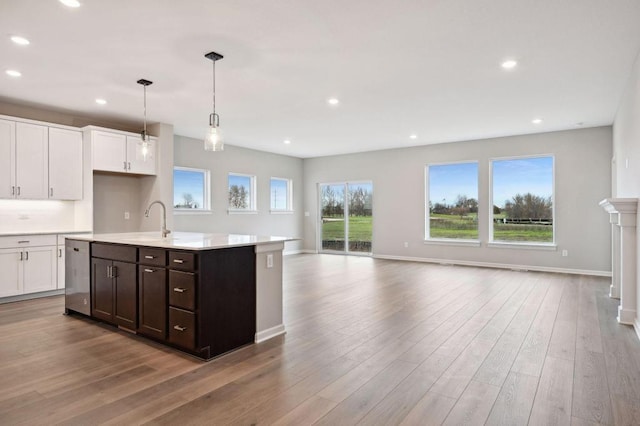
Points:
(368, 342)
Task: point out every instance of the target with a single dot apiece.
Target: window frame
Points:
(252, 208)
(206, 191)
(473, 242)
(523, 244)
(289, 197)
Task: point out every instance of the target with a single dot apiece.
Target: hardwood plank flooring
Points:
(368, 341)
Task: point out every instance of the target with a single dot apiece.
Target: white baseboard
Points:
(31, 296)
(300, 251)
(626, 316)
(636, 327)
(496, 265)
(269, 333)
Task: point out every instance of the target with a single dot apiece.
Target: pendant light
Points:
(213, 138)
(144, 145)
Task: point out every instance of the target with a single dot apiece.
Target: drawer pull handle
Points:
(178, 261)
(179, 290)
(179, 328)
(76, 249)
(148, 270)
(149, 257)
(23, 242)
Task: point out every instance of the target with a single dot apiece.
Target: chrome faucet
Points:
(164, 229)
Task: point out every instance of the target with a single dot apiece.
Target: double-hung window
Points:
(280, 195)
(242, 193)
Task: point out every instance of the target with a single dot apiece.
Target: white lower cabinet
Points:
(60, 254)
(29, 264)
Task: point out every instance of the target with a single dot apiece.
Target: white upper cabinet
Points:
(7, 159)
(65, 164)
(109, 151)
(32, 161)
(120, 153)
(39, 162)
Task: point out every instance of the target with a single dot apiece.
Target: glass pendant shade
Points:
(213, 138)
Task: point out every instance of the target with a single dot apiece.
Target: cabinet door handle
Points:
(149, 270)
(109, 272)
(59, 252)
(50, 192)
(26, 255)
(125, 165)
(179, 289)
(21, 256)
(114, 272)
(179, 328)
(18, 188)
(128, 166)
(149, 257)
(178, 261)
(13, 190)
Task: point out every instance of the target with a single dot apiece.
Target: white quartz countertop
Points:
(183, 240)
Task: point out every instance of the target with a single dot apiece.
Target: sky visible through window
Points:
(278, 194)
(447, 181)
(521, 176)
(240, 181)
(187, 182)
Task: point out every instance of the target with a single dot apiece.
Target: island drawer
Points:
(114, 252)
(182, 289)
(182, 328)
(182, 260)
(154, 257)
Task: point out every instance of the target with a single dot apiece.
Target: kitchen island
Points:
(205, 294)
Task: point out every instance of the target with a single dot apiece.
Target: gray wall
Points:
(582, 179)
(189, 152)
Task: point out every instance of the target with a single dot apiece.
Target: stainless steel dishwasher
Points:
(77, 277)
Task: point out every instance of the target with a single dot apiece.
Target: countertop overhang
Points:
(183, 240)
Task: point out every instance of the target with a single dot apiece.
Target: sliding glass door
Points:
(346, 217)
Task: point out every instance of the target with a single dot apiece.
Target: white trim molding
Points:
(636, 327)
(497, 265)
(270, 333)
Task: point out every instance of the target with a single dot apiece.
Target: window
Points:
(452, 206)
(522, 192)
(242, 197)
(281, 195)
(190, 189)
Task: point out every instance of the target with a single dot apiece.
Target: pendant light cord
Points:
(144, 131)
(214, 93)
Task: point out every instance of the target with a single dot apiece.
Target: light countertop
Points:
(183, 240)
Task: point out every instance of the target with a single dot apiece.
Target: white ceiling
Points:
(429, 67)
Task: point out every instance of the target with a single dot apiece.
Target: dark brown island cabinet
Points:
(201, 301)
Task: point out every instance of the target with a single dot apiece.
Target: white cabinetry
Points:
(7, 159)
(122, 153)
(65, 164)
(32, 161)
(28, 263)
(39, 162)
(61, 257)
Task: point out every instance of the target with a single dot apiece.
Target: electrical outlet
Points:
(269, 261)
(565, 253)
(306, 214)
(126, 215)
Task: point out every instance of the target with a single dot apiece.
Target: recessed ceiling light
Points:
(13, 73)
(287, 142)
(101, 101)
(413, 136)
(509, 64)
(536, 121)
(333, 101)
(70, 3)
(19, 40)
